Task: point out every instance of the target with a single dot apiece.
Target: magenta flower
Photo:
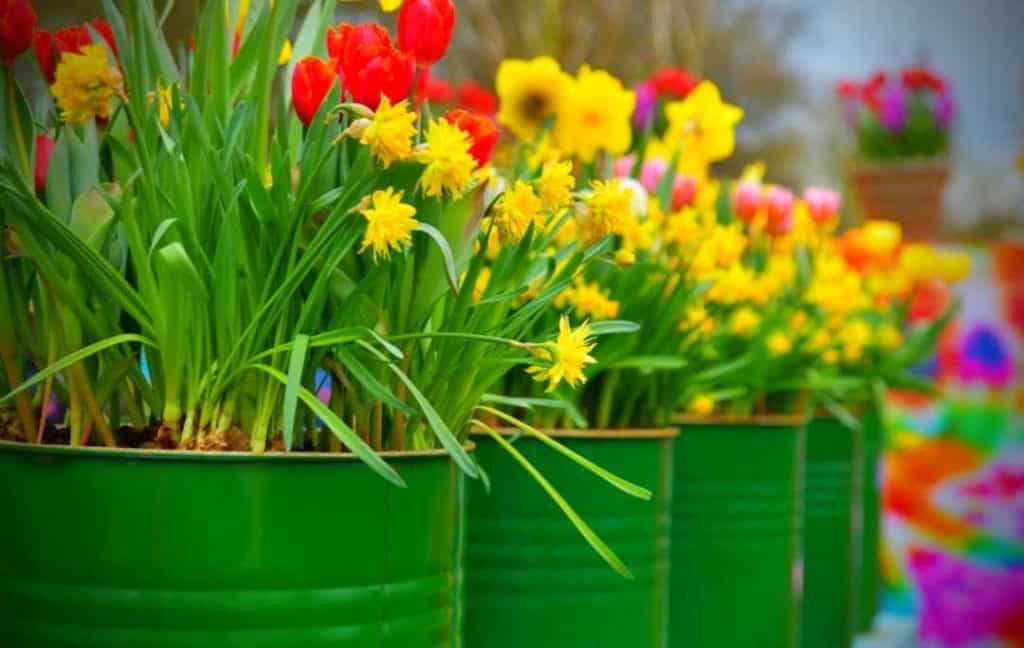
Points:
(894, 107)
(945, 110)
(646, 105)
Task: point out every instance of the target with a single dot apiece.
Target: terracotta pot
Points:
(908, 192)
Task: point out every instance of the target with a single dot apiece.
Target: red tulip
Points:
(871, 91)
(476, 98)
(104, 30)
(17, 20)
(778, 204)
(44, 147)
(481, 130)
(822, 204)
(921, 78)
(684, 191)
(847, 89)
(675, 82)
(49, 46)
(747, 199)
(433, 90)
(389, 73)
(425, 28)
(311, 81)
(354, 45)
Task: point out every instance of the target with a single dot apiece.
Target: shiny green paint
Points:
(869, 571)
(827, 616)
(736, 534)
(532, 582)
(114, 548)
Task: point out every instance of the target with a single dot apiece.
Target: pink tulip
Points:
(623, 167)
(652, 172)
(822, 204)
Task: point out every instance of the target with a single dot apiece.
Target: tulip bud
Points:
(778, 203)
(425, 28)
(44, 147)
(311, 82)
(822, 204)
(684, 191)
(17, 22)
(651, 173)
(746, 200)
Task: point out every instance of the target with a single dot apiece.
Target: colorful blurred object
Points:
(953, 493)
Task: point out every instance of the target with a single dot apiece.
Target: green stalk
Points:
(604, 407)
(94, 409)
(15, 123)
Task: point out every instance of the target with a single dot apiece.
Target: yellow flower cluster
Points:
(448, 164)
(568, 355)
(86, 84)
(390, 133)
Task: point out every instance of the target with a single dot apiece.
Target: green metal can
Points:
(736, 533)
(868, 551)
(532, 581)
(827, 616)
(123, 548)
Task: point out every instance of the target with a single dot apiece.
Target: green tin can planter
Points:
(827, 616)
(532, 581)
(122, 548)
(868, 551)
(736, 533)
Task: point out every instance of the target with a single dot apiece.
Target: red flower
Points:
(481, 130)
(355, 45)
(476, 98)
(871, 91)
(49, 47)
(684, 191)
(778, 205)
(17, 20)
(103, 28)
(44, 147)
(311, 81)
(921, 78)
(433, 90)
(425, 28)
(847, 89)
(673, 81)
(388, 73)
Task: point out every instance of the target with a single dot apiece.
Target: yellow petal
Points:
(390, 5)
(286, 52)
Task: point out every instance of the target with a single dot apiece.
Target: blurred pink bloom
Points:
(779, 210)
(747, 199)
(822, 204)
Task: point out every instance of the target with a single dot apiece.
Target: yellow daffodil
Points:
(162, 97)
(779, 344)
(449, 166)
(590, 300)
(625, 257)
(569, 354)
(555, 184)
(530, 92)
(595, 115)
(390, 133)
(702, 124)
(889, 337)
(516, 209)
(919, 262)
(390, 223)
(86, 84)
(954, 266)
(744, 321)
(606, 211)
(881, 238)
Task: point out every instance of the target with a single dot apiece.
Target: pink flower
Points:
(623, 167)
(652, 172)
(747, 199)
(822, 204)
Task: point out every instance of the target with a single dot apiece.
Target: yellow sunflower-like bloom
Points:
(390, 132)
(555, 184)
(569, 354)
(595, 116)
(449, 166)
(390, 223)
(703, 125)
(530, 92)
(516, 209)
(86, 84)
(590, 300)
(606, 212)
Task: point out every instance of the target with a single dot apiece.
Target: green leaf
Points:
(611, 327)
(649, 363)
(529, 403)
(296, 361)
(75, 357)
(446, 252)
(588, 534)
(376, 388)
(179, 266)
(344, 433)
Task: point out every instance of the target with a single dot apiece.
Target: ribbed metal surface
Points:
(735, 536)
(533, 582)
(116, 550)
(868, 570)
(827, 618)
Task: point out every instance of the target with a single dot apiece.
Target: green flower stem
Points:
(15, 123)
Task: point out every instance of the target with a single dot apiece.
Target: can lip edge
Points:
(761, 420)
(608, 434)
(192, 456)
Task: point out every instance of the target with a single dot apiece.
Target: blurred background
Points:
(953, 477)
